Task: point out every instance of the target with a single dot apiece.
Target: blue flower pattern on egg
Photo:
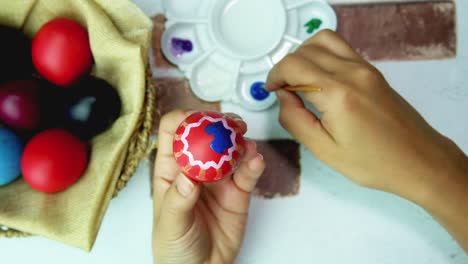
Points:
(222, 137)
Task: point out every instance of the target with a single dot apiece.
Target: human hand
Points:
(366, 130)
(199, 223)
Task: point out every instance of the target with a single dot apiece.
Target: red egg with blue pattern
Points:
(208, 146)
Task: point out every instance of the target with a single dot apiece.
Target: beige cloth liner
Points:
(119, 33)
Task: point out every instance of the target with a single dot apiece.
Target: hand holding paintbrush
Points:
(368, 132)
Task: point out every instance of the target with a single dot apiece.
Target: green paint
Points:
(313, 25)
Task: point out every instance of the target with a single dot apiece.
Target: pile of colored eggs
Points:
(50, 106)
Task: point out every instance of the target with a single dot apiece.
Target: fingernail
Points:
(261, 156)
(254, 163)
(184, 186)
(234, 116)
(190, 112)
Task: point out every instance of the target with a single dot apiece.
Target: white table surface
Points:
(331, 221)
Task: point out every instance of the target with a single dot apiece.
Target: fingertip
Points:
(170, 121)
(241, 126)
(270, 86)
(274, 81)
(249, 173)
(250, 149)
(257, 164)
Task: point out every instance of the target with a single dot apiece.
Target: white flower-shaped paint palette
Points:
(227, 47)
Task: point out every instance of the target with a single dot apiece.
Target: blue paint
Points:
(11, 149)
(222, 137)
(181, 46)
(258, 92)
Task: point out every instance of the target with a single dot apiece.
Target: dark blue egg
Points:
(89, 107)
(11, 149)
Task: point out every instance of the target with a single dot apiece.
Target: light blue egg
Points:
(11, 149)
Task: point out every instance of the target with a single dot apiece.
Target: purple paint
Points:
(181, 46)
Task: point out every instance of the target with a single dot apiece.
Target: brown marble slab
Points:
(381, 31)
(283, 169)
(158, 59)
(400, 31)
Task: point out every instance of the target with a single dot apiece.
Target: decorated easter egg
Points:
(208, 146)
(54, 160)
(89, 107)
(19, 104)
(11, 149)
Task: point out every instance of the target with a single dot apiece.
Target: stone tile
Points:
(400, 31)
(282, 173)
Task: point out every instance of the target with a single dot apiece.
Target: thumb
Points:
(302, 123)
(176, 215)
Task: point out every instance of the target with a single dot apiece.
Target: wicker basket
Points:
(138, 149)
(115, 14)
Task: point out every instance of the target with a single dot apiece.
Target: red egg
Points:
(54, 160)
(61, 51)
(19, 104)
(208, 146)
